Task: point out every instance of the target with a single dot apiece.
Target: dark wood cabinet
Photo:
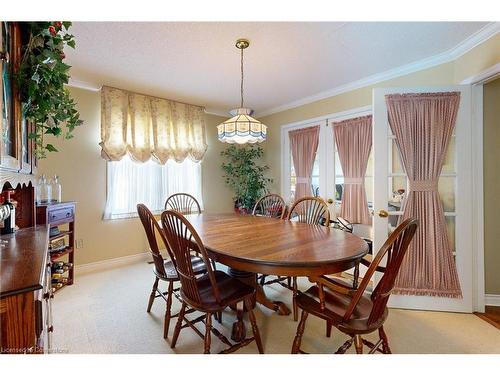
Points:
(25, 292)
(62, 216)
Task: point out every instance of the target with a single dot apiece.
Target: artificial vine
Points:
(41, 77)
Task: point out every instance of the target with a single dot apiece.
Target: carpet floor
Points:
(105, 312)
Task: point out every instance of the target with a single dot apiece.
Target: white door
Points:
(455, 188)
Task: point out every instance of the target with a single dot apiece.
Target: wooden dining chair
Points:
(270, 205)
(309, 210)
(343, 224)
(351, 310)
(184, 203)
(163, 269)
(210, 293)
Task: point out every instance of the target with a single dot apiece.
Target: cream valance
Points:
(144, 127)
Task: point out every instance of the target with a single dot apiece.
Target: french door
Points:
(327, 177)
(455, 188)
(385, 177)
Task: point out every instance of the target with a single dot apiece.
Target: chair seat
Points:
(198, 267)
(336, 304)
(231, 291)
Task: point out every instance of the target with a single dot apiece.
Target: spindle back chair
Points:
(351, 311)
(308, 210)
(212, 292)
(184, 203)
(163, 269)
(271, 205)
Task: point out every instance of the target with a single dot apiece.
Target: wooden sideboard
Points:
(25, 292)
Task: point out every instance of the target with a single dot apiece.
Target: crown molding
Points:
(84, 85)
(459, 50)
(486, 75)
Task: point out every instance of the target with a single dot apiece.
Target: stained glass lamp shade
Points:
(242, 128)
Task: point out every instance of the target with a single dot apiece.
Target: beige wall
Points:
(83, 178)
(491, 145)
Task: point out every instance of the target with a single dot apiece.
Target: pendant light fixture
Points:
(242, 128)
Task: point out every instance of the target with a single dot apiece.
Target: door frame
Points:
(327, 166)
(477, 82)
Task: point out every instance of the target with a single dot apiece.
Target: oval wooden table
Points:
(251, 244)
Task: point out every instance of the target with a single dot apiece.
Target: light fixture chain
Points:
(241, 106)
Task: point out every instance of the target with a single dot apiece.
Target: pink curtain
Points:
(354, 143)
(423, 125)
(303, 145)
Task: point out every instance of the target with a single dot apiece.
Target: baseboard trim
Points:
(492, 299)
(104, 265)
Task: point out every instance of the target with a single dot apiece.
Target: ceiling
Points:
(196, 62)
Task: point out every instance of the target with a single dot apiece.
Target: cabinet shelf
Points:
(61, 234)
(57, 254)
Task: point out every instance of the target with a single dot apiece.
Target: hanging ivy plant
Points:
(42, 75)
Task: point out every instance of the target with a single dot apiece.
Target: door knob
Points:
(329, 201)
(383, 213)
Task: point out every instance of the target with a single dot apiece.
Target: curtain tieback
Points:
(423, 185)
(353, 180)
(302, 180)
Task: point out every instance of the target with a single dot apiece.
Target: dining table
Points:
(251, 245)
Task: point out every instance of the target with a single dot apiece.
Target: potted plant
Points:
(244, 175)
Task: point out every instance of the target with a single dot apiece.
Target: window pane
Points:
(446, 188)
(338, 166)
(450, 226)
(369, 166)
(449, 160)
(130, 183)
(369, 190)
(397, 166)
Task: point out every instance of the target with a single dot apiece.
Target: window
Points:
(339, 179)
(130, 183)
(314, 178)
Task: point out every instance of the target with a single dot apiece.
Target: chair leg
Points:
(153, 294)
(208, 333)
(328, 329)
(218, 316)
(289, 281)
(295, 308)
(385, 342)
(262, 280)
(166, 324)
(358, 343)
(345, 346)
(300, 332)
(255, 328)
(178, 326)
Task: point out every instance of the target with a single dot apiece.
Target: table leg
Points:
(239, 331)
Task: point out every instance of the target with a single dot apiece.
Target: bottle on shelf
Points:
(56, 189)
(59, 282)
(44, 191)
